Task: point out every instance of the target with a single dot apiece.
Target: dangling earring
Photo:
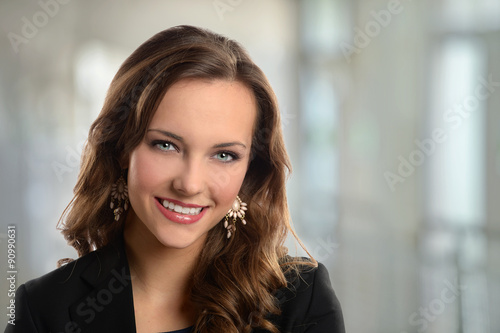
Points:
(237, 210)
(119, 192)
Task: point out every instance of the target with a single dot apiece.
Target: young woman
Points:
(180, 212)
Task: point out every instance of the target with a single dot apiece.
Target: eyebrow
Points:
(166, 133)
(179, 138)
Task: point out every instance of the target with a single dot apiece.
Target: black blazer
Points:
(94, 294)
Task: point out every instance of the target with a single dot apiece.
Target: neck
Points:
(158, 271)
(161, 280)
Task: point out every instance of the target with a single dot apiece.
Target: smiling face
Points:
(187, 171)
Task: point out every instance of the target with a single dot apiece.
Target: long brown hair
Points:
(234, 279)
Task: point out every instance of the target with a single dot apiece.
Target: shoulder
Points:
(68, 276)
(44, 301)
(62, 277)
(309, 301)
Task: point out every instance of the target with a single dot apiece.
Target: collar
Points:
(108, 305)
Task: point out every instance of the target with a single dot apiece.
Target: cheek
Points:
(143, 172)
(226, 184)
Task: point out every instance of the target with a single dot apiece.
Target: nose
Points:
(191, 178)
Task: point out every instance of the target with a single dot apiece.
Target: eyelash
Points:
(157, 143)
(234, 156)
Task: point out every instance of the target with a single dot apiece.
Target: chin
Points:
(179, 240)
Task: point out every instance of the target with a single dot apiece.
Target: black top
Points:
(94, 294)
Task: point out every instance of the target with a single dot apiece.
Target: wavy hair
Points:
(234, 280)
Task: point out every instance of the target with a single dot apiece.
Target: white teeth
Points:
(180, 209)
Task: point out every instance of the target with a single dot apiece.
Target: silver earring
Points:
(119, 194)
(237, 210)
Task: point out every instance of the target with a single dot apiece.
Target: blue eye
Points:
(164, 145)
(224, 157)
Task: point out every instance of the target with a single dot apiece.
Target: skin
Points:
(196, 151)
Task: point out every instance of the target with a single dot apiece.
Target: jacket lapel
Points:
(109, 305)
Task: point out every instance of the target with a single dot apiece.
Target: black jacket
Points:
(94, 294)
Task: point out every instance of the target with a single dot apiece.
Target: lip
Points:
(177, 202)
(177, 217)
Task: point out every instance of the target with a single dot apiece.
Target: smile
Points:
(180, 209)
(180, 212)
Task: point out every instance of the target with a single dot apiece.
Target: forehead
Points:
(213, 108)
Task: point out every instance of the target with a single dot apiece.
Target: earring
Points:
(237, 210)
(119, 193)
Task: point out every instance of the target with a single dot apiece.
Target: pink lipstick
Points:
(180, 212)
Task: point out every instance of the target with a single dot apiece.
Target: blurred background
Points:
(389, 116)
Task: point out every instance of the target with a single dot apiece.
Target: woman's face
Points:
(186, 173)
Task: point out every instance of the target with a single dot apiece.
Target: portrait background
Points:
(390, 114)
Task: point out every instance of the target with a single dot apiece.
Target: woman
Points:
(180, 213)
